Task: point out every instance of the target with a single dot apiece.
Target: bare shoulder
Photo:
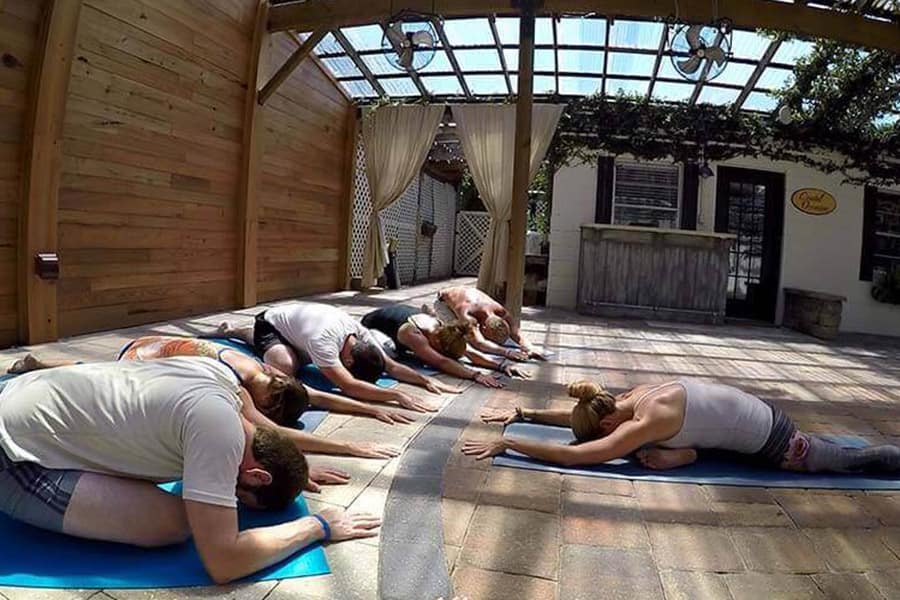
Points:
(663, 405)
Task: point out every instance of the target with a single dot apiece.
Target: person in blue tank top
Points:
(665, 424)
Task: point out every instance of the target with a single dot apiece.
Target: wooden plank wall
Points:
(303, 183)
(19, 25)
(152, 151)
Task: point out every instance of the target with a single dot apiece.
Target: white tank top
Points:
(722, 417)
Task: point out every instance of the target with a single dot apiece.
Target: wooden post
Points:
(346, 222)
(42, 167)
(251, 162)
(515, 262)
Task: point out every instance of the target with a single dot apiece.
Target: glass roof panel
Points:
(342, 66)
(760, 101)
(791, 51)
(749, 44)
(774, 78)
(626, 86)
(366, 37)
(886, 120)
(581, 31)
(328, 45)
(635, 34)
(508, 30)
(399, 86)
(477, 60)
(487, 85)
(439, 64)
(672, 92)
(511, 55)
(624, 63)
(468, 32)
(667, 69)
(543, 30)
(579, 86)
(442, 85)
(379, 65)
(543, 84)
(359, 88)
(543, 60)
(711, 94)
(735, 73)
(580, 61)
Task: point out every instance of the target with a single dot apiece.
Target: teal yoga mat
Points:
(711, 468)
(36, 558)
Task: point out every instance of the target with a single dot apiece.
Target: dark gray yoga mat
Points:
(712, 468)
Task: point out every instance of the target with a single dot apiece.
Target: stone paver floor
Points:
(519, 535)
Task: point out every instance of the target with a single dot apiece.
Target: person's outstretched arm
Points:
(363, 390)
(229, 554)
(504, 366)
(335, 403)
(561, 417)
(423, 350)
(410, 375)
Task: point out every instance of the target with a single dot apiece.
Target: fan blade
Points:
(693, 37)
(716, 55)
(690, 65)
(406, 57)
(423, 39)
(396, 36)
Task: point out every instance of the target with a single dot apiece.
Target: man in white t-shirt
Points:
(299, 333)
(82, 448)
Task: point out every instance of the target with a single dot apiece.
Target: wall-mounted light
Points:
(705, 170)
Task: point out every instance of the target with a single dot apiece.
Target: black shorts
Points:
(265, 335)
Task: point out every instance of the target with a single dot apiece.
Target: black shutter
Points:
(868, 234)
(690, 190)
(605, 173)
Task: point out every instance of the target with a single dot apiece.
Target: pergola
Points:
(527, 49)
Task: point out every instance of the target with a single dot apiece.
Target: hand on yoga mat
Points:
(346, 525)
(319, 476)
(488, 381)
(504, 416)
(481, 449)
(410, 403)
(369, 450)
(436, 386)
(511, 370)
(391, 417)
(515, 354)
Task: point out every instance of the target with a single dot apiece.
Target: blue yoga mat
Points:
(711, 468)
(36, 558)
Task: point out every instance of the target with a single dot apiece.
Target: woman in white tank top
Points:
(666, 424)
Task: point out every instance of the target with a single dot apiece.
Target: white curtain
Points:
(397, 140)
(488, 134)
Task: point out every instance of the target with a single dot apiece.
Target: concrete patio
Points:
(505, 533)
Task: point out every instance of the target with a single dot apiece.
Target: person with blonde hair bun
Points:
(407, 331)
(665, 424)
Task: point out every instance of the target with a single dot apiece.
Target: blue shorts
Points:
(35, 495)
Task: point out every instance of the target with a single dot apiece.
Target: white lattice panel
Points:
(426, 213)
(399, 221)
(445, 218)
(362, 204)
(471, 232)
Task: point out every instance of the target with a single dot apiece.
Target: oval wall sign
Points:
(813, 201)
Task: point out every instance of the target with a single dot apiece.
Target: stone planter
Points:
(815, 313)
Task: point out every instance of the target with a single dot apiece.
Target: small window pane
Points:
(442, 85)
(672, 92)
(760, 101)
(749, 44)
(439, 64)
(359, 89)
(379, 64)
(544, 60)
(635, 34)
(511, 55)
(487, 85)
(477, 60)
(399, 86)
(579, 86)
(328, 45)
(468, 32)
(367, 37)
(544, 84)
(580, 61)
(341, 66)
(508, 30)
(543, 30)
(735, 73)
(667, 69)
(887, 231)
(790, 51)
(581, 31)
(621, 63)
(626, 86)
(711, 94)
(774, 79)
(646, 195)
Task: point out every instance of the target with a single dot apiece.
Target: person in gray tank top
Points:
(665, 424)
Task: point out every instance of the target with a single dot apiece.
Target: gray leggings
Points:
(825, 455)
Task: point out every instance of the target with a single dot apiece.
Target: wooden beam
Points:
(845, 27)
(42, 167)
(251, 163)
(290, 65)
(448, 49)
(347, 198)
(344, 43)
(515, 262)
(321, 66)
(493, 22)
(757, 73)
(659, 58)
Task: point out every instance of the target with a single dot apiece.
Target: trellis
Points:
(471, 231)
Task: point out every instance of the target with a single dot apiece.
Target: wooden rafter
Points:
(845, 27)
(445, 43)
(294, 36)
(757, 73)
(606, 50)
(493, 22)
(659, 57)
(290, 65)
(360, 64)
(555, 56)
